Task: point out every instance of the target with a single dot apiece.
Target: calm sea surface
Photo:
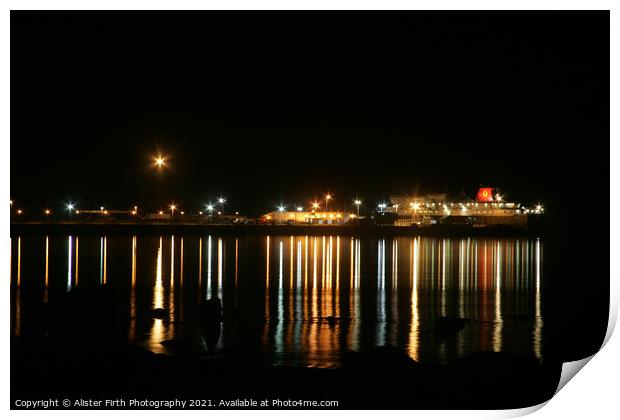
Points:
(297, 300)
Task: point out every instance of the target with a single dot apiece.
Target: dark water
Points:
(298, 300)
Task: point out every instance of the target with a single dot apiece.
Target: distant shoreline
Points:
(125, 228)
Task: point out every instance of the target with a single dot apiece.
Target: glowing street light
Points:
(315, 205)
(47, 212)
(160, 161)
(173, 207)
(281, 208)
(327, 198)
(357, 203)
(498, 197)
(221, 201)
(70, 208)
(19, 211)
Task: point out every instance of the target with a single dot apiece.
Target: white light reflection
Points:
(172, 261)
(77, 259)
(200, 262)
(70, 263)
(381, 318)
(298, 315)
(354, 343)
(157, 330)
(538, 322)
(462, 269)
(209, 292)
(181, 275)
(279, 333)
(220, 274)
(394, 314)
(103, 257)
(267, 309)
(291, 263)
(443, 278)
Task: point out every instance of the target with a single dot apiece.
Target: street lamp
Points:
(221, 201)
(357, 203)
(160, 161)
(281, 208)
(173, 207)
(315, 205)
(327, 198)
(70, 208)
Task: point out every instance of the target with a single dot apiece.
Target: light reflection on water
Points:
(321, 295)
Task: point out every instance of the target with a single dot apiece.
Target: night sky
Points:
(270, 107)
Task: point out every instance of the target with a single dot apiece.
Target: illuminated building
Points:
(308, 217)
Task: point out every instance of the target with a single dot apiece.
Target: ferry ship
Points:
(486, 210)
